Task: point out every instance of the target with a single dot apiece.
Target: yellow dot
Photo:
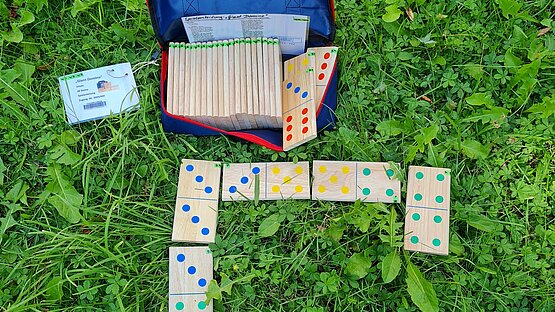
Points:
(305, 61)
(345, 170)
(345, 190)
(290, 67)
(333, 179)
(298, 188)
(287, 179)
(321, 189)
(275, 170)
(275, 189)
(299, 170)
(297, 72)
(322, 169)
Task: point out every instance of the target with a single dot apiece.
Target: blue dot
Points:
(305, 94)
(202, 282)
(181, 257)
(186, 208)
(297, 89)
(232, 189)
(190, 168)
(192, 270)
(205, 231)
(199, 178)
(244, 180)
(195, 219)
(289, 85)
(256, 170)
(208, 189)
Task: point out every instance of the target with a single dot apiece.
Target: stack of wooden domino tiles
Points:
(229, 84)
(196, 211)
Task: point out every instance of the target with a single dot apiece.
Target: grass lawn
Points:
(468, 85)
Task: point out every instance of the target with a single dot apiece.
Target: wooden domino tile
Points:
(326, 60)
(298, 94)
(171, 79)
(351, 181)
(190, 272)
(196, 210)
(275, 181)
(428, 205)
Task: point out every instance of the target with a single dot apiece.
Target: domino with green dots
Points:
(351, 181)
(196, 209)
(428, 206)
(190, 273)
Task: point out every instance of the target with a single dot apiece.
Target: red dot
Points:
(327, 55)
(289, 118)
(305, 120)
(289, 127)
(289, 137)
(305, 110)
(324, 66)
(321, 76)
(305, 129)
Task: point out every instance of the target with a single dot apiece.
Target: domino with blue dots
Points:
(276, 180)
(350, 181)
(196, 210)
(298, 97)
(428, 207)
(190, 272)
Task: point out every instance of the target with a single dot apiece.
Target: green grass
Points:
(490, 118)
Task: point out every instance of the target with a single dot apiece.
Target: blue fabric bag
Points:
(166, 20)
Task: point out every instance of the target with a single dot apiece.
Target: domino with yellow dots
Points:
(272, 181)
(351, 181)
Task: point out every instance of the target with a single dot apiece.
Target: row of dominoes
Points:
(229, 84)
(191, 268)
(306, 78)
(199, 187)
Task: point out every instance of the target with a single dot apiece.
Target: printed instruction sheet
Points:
(99, 92)
(291, 30)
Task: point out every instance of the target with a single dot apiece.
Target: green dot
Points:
(390, 173)
(439, 199)
(414, 239)
(389, 192)
(437, 219)
(366, 191)
(440, 177)
(419, 175)
(366, 171)
(416, 216)
(201, 305)
(436, 242)
(180, 306)
(418, 197)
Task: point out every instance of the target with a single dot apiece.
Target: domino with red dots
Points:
(272, 181)
(351, 181)
(326, 60)
(196, 210)
(190, 272)
(428, 206)
(298, 94)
